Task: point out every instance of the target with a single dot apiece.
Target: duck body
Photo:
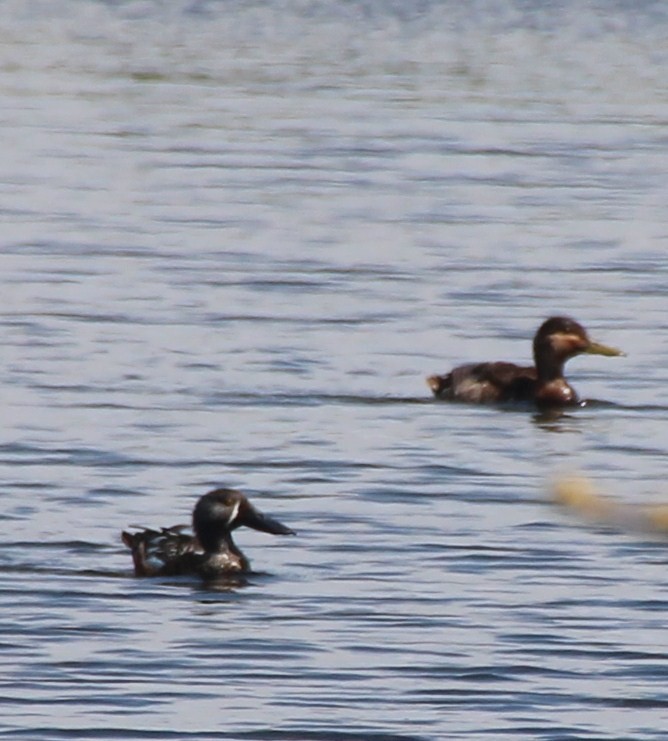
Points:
(557, 340)
(210, 551)
(484, 383)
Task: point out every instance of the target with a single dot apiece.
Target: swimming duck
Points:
(212, 552)
(557, 340)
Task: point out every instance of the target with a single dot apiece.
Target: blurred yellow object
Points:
(578, 494)
(659, 517)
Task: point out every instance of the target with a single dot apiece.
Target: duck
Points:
(557, 340)
(210, 552)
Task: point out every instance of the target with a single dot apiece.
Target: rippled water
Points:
(236, 237)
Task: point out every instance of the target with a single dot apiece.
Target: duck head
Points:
(220, 511)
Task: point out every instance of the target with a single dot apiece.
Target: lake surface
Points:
(236, 238)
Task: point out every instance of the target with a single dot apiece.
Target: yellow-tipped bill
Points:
(596, 348)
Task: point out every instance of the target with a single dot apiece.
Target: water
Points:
(236, 238)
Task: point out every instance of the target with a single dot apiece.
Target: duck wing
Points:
(168, 551)
(484, 383)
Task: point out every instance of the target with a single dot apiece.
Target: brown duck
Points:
(557, 340)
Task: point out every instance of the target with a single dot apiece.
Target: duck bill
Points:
(251, 517)
(596, 348)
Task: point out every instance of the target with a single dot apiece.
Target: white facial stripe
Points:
(234, 513)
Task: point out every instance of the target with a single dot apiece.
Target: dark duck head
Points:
(211, 552)
(557, 340)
